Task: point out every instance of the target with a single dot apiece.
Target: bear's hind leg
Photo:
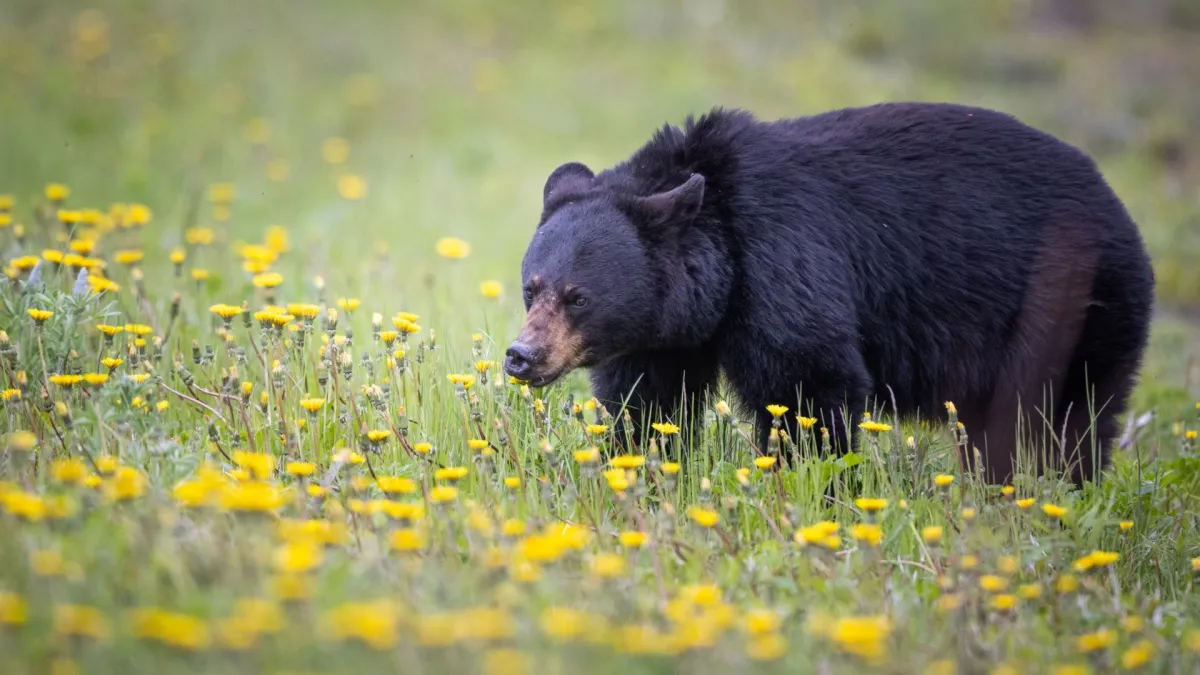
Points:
(1102, 374)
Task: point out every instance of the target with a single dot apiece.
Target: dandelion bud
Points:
(175, 301)
(195, 352)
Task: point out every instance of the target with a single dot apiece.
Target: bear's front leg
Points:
(655, 386)
(830, 389)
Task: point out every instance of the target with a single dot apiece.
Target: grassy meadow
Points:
(261, 266)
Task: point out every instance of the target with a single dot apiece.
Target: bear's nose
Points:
(519, 361)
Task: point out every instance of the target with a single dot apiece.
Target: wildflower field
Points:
(261, 265)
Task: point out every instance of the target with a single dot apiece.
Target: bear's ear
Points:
(676, 206)
(572, 177)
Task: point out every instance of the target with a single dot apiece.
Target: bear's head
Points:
(593, 275)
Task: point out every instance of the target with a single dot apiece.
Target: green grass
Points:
(465, 110)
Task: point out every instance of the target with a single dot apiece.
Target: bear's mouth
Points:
(544, 381)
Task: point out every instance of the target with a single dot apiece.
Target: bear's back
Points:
(913, 226)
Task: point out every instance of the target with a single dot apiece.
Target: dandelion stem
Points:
(191, 400)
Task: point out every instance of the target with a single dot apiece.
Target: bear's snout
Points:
(519, 360)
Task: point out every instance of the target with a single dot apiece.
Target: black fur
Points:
(926, 252)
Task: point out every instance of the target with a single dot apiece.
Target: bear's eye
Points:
(529, 295)
(580, 301)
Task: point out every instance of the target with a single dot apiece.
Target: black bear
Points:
(914, 253)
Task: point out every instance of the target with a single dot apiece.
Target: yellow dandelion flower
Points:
(874, 427)
(304, 311)
(1126, 525)
(1095, 641)
(450, 473)
(665, 428)
(198, 236)
(861, 636)
(378, 435)
(57, 192)
(396, 485)
(301, 468)
(764, 462)
(596, 429)
(670, 468)
(14, 610)
(258, 463)
(407, 539)
(491, 289)
(95, 379)
(869, 533)
(777, 411)
(1025, 504)
(65, 380)
(931, 534)
(993, 583)
(588, 456)
(312, 405)
(25, 262)
(703, 516)
(442, 494)
(1137, 655)
(137, 214)
(1029, 591)
(224, 311)
(129, 257)
(823, 533)
(69, 471)
(1003, 602)
(39, 315)
(1066, 584)
(351, 187)
(81, 621)
(607, 565)
(453, 248)
(871, 505)
(1054, 511)
(268, 280)
(628, 461)
(943, 480)
(633, 539)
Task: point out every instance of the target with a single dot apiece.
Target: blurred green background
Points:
(453, 113)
